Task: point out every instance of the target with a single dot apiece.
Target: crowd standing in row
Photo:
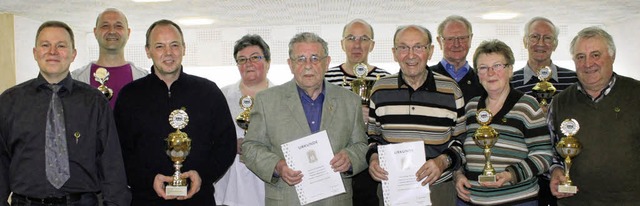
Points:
(63, 143)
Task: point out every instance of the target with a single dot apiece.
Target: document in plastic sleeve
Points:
(311, 155)
(402, 161)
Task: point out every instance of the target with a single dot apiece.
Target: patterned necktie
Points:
(57, 159)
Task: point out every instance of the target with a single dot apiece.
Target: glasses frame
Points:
(418, 49)
(546, 39)
(363, 38)
(460, 39)
(313, 59)
(244, 60)
(495, 67)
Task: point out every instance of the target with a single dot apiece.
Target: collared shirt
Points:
(528, 73)
(312, 108)
(455, 74)
(95, 159)
(604, 91)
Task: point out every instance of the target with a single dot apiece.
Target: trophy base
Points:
(175, 190)
(486, 178)
(567, 189)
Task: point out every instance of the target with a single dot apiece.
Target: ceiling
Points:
(81, 14)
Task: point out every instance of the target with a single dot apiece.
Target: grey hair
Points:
(454, 18)
(362, 21)
(591, 32)
(307, 37)
(421, 28)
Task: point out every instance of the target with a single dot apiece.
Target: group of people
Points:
(63, 143)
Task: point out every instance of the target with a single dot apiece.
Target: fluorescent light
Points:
(499, 15)
(194, 21)
(147, 1)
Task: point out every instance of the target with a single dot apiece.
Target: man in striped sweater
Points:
(357, 42)
(541, 39)
(419, 105)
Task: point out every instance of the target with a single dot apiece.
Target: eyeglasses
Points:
(418, 49)
(352, 38)
(243, 60)
(452, 39)
(483, 69)
(535, 38)
(314, 59)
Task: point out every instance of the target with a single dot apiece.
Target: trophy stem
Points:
(177, 181)
(488, 167)
(567, 163)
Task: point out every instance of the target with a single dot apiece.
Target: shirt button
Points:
(313, 122)
(413, 108)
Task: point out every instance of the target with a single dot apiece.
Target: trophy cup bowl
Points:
(178, 148)
(486, 137)
(568, 147)
(544, 90)
(362, 87)
(102, 76)
(246, 103)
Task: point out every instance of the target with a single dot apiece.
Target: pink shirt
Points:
(118, 77)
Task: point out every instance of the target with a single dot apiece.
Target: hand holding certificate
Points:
(312, 155)
(402, 161)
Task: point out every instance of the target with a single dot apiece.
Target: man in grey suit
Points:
(303, 106)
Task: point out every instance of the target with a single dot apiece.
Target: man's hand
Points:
(291, 177)
(557, 177)
(462, 183)
(429, 172)
(160, 180)
(340, 162)
(376, 172)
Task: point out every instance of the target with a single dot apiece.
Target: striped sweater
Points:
(524, 80)
(523, 148)
(337, 76)
(434, 114)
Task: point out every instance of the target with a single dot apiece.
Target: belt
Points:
(52, 200)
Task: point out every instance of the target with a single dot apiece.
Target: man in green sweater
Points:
(605, 105)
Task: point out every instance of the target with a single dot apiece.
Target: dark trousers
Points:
(84, 199)
(544, 194)
(364, 189)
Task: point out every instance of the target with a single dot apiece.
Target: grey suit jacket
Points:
(278, 117)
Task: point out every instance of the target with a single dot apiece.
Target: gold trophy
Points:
(568, 147)
(485, 137)
(246, 103)
(102, 76)
(178, 147)
(544, 90)
(362, 86)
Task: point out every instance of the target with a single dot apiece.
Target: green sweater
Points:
(606, 171)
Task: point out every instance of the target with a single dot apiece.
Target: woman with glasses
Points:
(523, 147)
(239, 186)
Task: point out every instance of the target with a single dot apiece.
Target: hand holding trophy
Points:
(568, 147)
(246, 103)
(102, 76)
(178, 147)
(544, 90)
(485, 137)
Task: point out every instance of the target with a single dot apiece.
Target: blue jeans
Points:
(86, 199)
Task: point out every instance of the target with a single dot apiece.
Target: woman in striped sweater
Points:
(523, 149)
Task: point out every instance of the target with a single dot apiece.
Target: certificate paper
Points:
(311, 155)
(402, 161)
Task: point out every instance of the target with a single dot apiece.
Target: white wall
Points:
(209, 52)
